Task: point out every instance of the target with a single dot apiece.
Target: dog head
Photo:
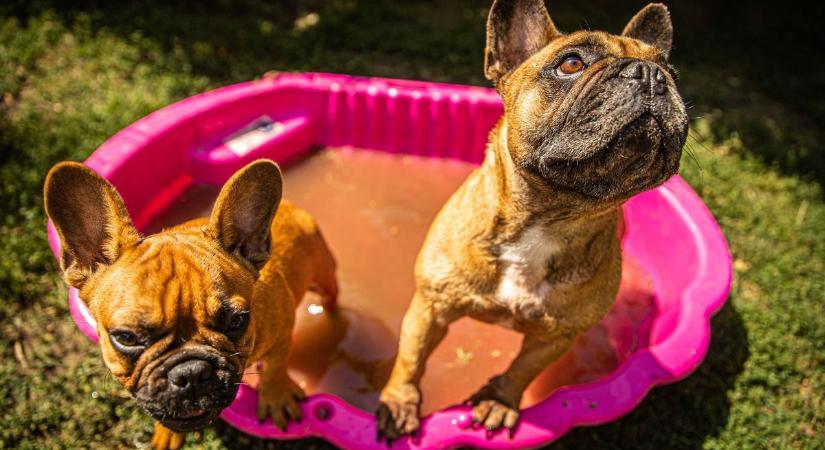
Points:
(173, 309)
(589, 113)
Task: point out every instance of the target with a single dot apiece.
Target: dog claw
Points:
(395, 420)
(397, 413)
(510, 421)
(385, 423)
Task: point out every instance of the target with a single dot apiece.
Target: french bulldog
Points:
(181, 313)
(530, 240)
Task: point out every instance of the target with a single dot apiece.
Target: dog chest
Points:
(523, 287)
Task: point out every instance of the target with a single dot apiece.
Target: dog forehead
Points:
(170, 276)
(610, 44)
(625, 47)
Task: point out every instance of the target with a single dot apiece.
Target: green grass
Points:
(74, 74)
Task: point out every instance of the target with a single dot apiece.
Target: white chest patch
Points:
(523, 285)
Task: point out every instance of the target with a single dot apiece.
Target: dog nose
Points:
(190, 373)
(650, 76)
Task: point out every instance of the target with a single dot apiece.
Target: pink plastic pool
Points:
(205, 138)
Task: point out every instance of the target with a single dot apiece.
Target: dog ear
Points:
(652, 25)
(244, 210)
(515, 30)
(90, 218)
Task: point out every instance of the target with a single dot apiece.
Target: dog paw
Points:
(280, 402)
(397, 413)
(495, 408)
(493, 414)
(166, 439)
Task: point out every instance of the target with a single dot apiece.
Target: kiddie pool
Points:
(668, 230)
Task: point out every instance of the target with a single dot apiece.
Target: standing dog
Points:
(181, 313)
(529, 241)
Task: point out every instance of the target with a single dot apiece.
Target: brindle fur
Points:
(175, 285)
(529, 240)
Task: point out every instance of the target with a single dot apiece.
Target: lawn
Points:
(72, 73)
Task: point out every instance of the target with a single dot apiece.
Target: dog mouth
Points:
(189, 420)
(637, 158)
(188, 389)
(644, 135)
(193, 414)
(641, 136)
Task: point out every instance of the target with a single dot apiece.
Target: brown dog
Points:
(529, 240)
(181, 313)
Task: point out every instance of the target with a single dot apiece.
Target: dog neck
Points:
(532, 226)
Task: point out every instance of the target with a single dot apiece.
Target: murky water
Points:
(374, 209)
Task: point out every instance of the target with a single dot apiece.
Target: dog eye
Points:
(237, 324)
(127, 342)
(571, 65)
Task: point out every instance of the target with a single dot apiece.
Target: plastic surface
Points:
(206, 138)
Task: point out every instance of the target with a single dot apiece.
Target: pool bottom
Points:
(374, 209)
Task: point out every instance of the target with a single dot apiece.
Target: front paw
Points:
(397, 413)
(166, 439)
(495, 406)
(279, 400)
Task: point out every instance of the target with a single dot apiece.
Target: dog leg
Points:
(324, 281)
(166, 439)
(421, 331)
(497, 403)
(278, 395)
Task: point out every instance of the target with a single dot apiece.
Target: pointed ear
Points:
(652, 26)
(515, 30)
(244, 210)
(90, 218)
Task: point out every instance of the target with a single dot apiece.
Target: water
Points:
(374, 210)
